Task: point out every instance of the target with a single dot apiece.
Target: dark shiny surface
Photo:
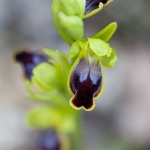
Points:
(49, 141)
(85, 83)
(29, 60)
(93, 4)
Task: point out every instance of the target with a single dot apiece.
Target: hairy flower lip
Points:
(29, 60)
(86, 84)
(93, 4)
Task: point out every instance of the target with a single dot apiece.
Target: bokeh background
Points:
(121, 119)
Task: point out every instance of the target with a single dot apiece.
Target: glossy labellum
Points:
(29, 60)
(49, 141)
(86, 83)
(91, 5)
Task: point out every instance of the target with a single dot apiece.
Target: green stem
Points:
(77, 137)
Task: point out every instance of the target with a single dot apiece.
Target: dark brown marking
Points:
(29, 60)
(85, 83)
(93, 4)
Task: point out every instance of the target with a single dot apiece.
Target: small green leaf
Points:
(111, 60)
(107, 32)
(99, 47)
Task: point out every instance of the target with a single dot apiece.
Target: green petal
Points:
(83, 44)
(99, 47)
(111, 60)
(107, 32)
(75, 49)
(72, 26)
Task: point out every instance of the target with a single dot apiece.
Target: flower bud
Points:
(29, 60)
(72, 26)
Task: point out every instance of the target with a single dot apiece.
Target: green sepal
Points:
(99, 47)
(46, 75)
(55, 15)
(72, 26)
(53, 96)
(82, 6)
(57, 56)
(46, 117)
(70, 7)
(107, 32)
(94, 11)
(111, 60)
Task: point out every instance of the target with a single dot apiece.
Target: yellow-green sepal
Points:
(70, 7)
(82, 6)
(46, 75)
(58, 57)
(99, 47)
(52, 96)
(111, 60)
(107, 32)
(56, 20)
(72, 26)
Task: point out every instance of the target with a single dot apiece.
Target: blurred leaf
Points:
(52, 96)
(46, 117)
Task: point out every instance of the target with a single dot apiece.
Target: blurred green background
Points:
(121, 118)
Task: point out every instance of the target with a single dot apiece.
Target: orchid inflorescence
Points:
(55, 77)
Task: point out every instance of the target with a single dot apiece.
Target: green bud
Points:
(72, 26)
(70, 7)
